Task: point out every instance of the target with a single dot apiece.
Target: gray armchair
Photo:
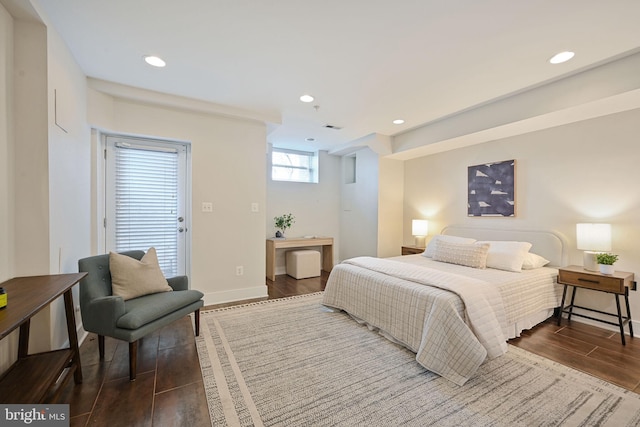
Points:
(108, 315)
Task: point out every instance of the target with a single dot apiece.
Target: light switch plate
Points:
(207, 207)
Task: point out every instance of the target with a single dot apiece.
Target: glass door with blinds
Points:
(146, 203)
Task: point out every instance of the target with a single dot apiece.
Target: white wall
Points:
(315, 207)
(44, 210)
(390, 207)
(31, 166)
(31, 151)
(228, 169)
(8, 346)
(581, 172)
(372, 210)
(359, 216)
(69, 173)
(6, 146)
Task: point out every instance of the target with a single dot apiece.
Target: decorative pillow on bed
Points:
(431, 246)
(533, 261)
(131, 278)
(470, 255)
(507, 255)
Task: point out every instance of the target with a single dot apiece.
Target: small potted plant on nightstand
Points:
(606, 262)
(282, 223)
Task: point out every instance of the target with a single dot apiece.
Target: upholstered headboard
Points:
(549, 244)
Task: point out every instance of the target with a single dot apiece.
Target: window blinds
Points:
(292, 165)
(146, 202)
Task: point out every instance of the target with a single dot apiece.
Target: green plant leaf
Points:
(606, 259)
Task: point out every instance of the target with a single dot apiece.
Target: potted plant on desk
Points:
(606, 262)
(282, 223)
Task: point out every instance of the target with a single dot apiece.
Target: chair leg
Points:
(197, 321)
(133, 360)
(101, 346)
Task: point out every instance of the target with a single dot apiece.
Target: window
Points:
(350, 163)
(292, 165)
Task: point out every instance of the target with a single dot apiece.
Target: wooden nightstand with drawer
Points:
(618, 283)
(412, 250)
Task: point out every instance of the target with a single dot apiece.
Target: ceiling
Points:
(366, 62)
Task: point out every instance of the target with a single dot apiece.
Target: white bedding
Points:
(449, 337)
(524, 294)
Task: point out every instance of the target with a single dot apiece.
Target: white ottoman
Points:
(303, 264)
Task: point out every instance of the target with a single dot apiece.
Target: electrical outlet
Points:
(254, 207)
(207, 207)
(239, 270)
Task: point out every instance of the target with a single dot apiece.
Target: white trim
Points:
(149, 97)
(99, 205)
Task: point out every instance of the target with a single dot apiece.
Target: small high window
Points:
(293, 165)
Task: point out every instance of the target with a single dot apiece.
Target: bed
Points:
(454, 317)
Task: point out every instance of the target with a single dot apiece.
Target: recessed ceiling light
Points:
(398, 121)
(561, 57)
(155, 61)
(306, 98)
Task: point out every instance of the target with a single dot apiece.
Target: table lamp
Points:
(419, 229)
(593, 239)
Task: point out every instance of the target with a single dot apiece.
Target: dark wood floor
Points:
(169, 390)
(586, 348)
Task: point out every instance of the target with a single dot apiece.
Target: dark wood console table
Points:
(31, 377)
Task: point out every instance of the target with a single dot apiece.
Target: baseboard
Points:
(212, 298)
(80, 333)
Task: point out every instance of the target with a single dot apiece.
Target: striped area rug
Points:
(294, 362)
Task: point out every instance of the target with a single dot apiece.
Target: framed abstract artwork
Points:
(492, 189)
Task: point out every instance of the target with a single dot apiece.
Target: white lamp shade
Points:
(593, 237)
(419, 227)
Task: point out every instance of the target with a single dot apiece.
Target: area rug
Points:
(295, 362)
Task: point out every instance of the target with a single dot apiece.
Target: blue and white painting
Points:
(491, 189)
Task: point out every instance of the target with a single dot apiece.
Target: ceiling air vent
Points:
(332, 127)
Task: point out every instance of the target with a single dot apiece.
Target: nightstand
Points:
(412, 250)
(617, 284)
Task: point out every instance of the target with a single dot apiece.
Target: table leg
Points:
(73, 336)
(626, 301)
(564, 295)
(620, 320)
(573, 298)
(271, 261)
(23, 340)
(327, 258)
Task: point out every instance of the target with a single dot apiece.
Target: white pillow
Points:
(470, 255)
(131, 278)
(532, 261)
(507, 255)
(431, 246)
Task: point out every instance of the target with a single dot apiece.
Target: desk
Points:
(30, 378)
(274, 244)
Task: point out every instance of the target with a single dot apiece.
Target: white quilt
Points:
(452, 322)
